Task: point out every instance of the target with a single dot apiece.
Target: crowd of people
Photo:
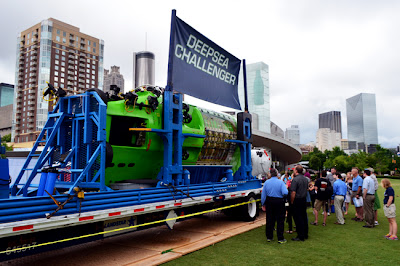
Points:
(288, 196)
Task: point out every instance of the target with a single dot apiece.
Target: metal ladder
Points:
(47, 136)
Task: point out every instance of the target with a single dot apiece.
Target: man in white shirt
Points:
(369, 199)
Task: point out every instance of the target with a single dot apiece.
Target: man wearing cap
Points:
(369, 199)
(272, 199)
(356, 192)
(339, 192)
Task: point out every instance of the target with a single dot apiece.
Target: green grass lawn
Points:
(350, 244)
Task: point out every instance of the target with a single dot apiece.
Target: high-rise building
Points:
(361, 120)
(327, 139)
(258, 93)
(113, 77)
(331, 120)
(292, 134)
(6, 94)
(143, 69)
(55, 52)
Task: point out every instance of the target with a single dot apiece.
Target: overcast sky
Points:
(319, 52)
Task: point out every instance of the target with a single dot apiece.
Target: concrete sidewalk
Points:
(148, 247)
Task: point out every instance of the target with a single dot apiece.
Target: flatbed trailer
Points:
(74, 200)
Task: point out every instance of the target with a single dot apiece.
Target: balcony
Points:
(82, 55)
(34, 47)
(34, 52)
(21, 74)
(31, 108)
(81, 81)
(71, 78)
(34, 64)
(82, 47)
(33, 74)
(71, 38)
(31, 97)
(20, 79)
(71, 73)
(31, 102)
(82, 75)
(34, 57)
(82, 65)
(35, 40)
(70, 67)
(36, 34)
(83, 41)
(71, 62)
(71, 56)
(30, 114)
(31, 126)
(21, 48)
(81, 70)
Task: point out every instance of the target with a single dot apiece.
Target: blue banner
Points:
(203, 69)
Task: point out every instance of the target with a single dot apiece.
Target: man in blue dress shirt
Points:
(339, 192)
(357, 193)
(272, 200)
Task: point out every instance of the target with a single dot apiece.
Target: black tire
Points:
(101, 93)
(250, 211)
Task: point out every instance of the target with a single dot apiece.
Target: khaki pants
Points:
(369, 215)
(338, 201)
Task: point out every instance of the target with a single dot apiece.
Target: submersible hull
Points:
(139, 154)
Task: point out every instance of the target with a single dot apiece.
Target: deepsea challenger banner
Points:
(203, 69)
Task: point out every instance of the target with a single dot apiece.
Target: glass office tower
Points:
(362, 120)
(331, 120)
(258, 93)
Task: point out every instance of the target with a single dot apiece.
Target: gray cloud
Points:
(319, 52)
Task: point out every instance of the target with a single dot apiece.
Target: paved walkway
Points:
(147, 247)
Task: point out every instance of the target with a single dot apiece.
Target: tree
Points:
(6, 138)
(315, 162)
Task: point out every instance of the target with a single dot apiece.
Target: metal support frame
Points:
(76, 128)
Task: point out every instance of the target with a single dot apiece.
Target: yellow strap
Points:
(126, 228)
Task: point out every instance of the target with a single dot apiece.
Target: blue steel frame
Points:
(81, 120)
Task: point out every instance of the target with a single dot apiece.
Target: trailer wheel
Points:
(250, 211)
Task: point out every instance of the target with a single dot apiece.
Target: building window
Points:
(58, 32)
(63, 63)
(56, 84)
(88, 65)
(88, 42)
(56, 73)
(93, 82)
(87, 70)
(94, 44)
(94, 67)
(57, 51)
(56, 62)
(56, 67)
(64, 40)
(63, 69)
(57, 56)
(63, 58)
(62, 80)
(55, 78)
(57, 38)
(88, 49)
(93, 72)
(93, 77)
(64, 34)
(88, 60)
(94, 50)
(88, 75)
(63, 53)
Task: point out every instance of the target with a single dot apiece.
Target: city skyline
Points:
(325, 55)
